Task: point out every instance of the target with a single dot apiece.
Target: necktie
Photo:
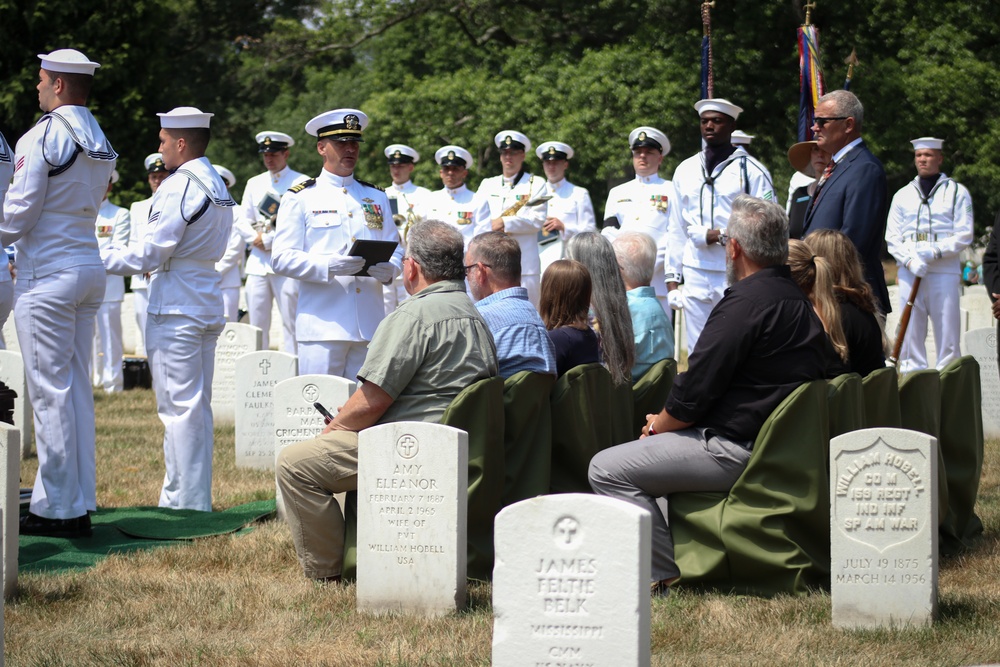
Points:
(822, 181)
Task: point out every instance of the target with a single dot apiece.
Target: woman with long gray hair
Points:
(608, 303)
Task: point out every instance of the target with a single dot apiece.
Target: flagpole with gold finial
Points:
(707, 74)
(851, 61)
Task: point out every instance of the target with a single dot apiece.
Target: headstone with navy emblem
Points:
(257, 374)
(982, 345)
(571, 582)
(235, 341)
(412, 518)
(884, 528)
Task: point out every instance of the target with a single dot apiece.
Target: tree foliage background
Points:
(430, 72)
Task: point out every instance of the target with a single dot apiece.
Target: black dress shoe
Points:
(32, 524)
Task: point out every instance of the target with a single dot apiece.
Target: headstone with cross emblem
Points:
(12, 375)
(235, 341)
(10, 460)
(295, 417)
(412, 502)
(883, 528)
(257, 373)
(982, 345)
(571, 582)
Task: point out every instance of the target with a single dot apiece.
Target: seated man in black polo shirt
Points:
(760, 342)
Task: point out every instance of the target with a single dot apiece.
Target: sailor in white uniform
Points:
(409, 204)
(230, 267)
(643, 204)
(570, 211)
(112, 227)
(189, 226)
(156, 172)
(62, 167)
(516, 187)
(318, 223)
(6, 283)
(705, 186)
(929, 225)
(261, 199)
(455, 204)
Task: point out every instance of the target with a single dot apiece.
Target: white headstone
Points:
(12, 375)
(257, 373)
(571, 582)
(129, 328)
(10, 334)
(883, 528)
(982, 345)
(979, 307)
(235, 341)
(10, 501)
(412, 518)
(295, 418)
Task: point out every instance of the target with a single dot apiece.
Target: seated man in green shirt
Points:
(422, 355)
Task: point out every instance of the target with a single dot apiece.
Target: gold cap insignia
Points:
(451, 155)
(508, 141)
(267, 141)
(352, 122)
(158, 162)
(642, 136)
(397, 154)
(552, 150)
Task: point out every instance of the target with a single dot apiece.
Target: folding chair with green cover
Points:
(621, 414)
(581, 426)
(771, 533)
(650, 392)
(882, 399)
(920, 409)
(847, 404)
(479, 411)
(961, 442)
(527, 436)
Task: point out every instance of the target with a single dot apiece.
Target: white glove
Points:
(384, 272)
(926, 253)
(697, 234)
(917, 267)
(345, 265)
(675, 299)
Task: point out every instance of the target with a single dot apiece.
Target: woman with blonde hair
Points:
(863, 324)
(565, 309)
(814, 276)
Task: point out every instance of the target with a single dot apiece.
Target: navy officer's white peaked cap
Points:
(154, 162)
(339, 125)
(927, 142)
(512, 139)
(114, 176)
(227, 175)
(646, 136)
(270, 141)
(451, 155)
(69, 61)
(740, 138)
(720, 105)
(400, 154)
(554, 150)
(184, 118)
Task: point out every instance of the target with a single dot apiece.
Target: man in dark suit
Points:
(851, 195)
(991, 274)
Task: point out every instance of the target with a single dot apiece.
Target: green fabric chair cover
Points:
(920, 409)
(580, 401)
(527, 436)
(882, 399)
(621, 414)
(349, 571)
(847, 404)
(478, 410)
(961, 442)
(650, 392)
(773, 527)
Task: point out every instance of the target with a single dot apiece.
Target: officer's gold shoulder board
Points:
(370, 185)
(299, 187)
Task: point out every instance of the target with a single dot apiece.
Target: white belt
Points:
(178, 263)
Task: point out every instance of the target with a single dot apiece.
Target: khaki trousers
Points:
(309, 474)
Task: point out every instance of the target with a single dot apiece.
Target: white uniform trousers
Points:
(108, 372)
(140, 301)
(702, 290)
(6, 305)
(182, 361)
(938, 299)
(54, 316)
(261, 290)
(332, 357)
(534, 286)
(231, 303)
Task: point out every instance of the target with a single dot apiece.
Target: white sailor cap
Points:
(512, 140)
(720, 105)
(154, 162)
(554, 150)
(741, 138)
(69, 61)
(453, 156)
(269, 141)
(114, 176)
(185, 118)
(338, 125)
(227, 175)
(401, 154)
(927, 142)
(648, 137)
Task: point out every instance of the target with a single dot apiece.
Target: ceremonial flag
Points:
(707, 76)
(810, 79)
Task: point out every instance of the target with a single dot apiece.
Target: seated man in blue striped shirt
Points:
(493, 270)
